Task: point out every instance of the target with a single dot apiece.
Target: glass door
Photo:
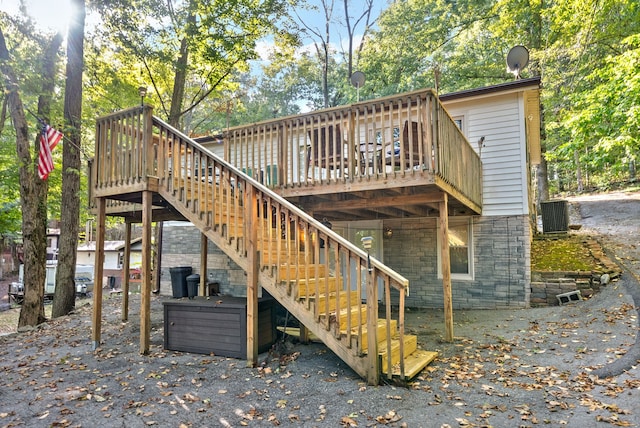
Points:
(354, 231)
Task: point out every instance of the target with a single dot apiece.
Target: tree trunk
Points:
(64, 299)
(579, 183)
(180, 78)
(33, 191)
(542, 181)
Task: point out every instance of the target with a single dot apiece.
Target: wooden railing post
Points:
(373, 371)
(251, 211)
(147, 142)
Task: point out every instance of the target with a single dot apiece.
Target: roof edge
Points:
(516, 84)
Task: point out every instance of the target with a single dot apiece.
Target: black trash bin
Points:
(179, 280)
(112, 282)
(193, 282)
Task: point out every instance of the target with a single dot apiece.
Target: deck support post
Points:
(304, 334)
(251, 207)
(446, 267)
(126, 265)
(99, 270)
(204, 250)
(145, 289)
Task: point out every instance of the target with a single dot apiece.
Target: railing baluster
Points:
(387, 298)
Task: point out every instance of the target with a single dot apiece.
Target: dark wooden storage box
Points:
(217, 326)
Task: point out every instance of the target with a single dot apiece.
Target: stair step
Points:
(284, 251)
(288, 272)
(271, 259)
(410, 345)
(413, 364)
(352, 313)
(273, 244)
(308, 288)
(381, 333)
(345, 301)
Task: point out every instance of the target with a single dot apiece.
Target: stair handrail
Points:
(294, 209)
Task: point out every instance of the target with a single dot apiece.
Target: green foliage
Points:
(26, 42)
(563, 254)
(205, 44)
(592, 90)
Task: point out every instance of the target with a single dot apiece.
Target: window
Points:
(458, 120)
(460, 249)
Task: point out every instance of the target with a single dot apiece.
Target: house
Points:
(490, 253)
(345, 216)
(113, 257)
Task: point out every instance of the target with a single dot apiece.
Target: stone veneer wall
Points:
(502, 260)
(181, 247)
(502, 263)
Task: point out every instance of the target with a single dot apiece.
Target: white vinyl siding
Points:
(499, 119)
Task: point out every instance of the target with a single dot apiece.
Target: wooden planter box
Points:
(217, 326)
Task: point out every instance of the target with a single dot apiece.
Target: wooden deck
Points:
(249, 202)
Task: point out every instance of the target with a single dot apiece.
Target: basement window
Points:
(460, 249)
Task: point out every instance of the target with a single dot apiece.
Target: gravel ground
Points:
(506, 368)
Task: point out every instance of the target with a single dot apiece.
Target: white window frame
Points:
(458, 222)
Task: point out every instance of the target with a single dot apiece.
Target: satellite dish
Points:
(517, 59)
(357, 79)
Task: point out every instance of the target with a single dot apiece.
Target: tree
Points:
(334, 72)
(584, 38)
(64, 298)
(353, 27)
(428, 43)
(187, 51)
(33, 191)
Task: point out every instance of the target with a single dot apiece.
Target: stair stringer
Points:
(298, 308)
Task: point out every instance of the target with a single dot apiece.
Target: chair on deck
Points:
(409, 154)
(327, 149)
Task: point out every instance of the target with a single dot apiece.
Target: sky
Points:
(50, 14)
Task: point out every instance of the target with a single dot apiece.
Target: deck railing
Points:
(137, 151)
(396, 136)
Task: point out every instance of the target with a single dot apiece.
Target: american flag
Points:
(49, 138)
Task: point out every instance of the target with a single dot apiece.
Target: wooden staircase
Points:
(326, 282)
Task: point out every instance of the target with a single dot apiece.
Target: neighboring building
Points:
(490, 254)
(113, 257)
(53, 239)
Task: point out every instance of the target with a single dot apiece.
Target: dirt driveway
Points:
(529, 367)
